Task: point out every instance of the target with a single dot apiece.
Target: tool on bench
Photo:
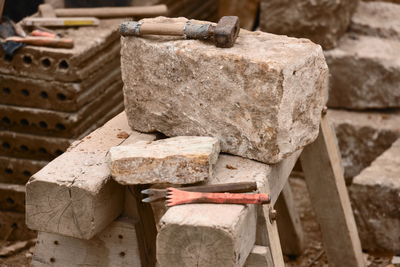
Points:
(178, 197)
(241, 187)
(224, 34)
(47, 10)
(43, 41)
(60, 22)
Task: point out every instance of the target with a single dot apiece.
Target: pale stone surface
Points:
(377, 19)
(322, 21)
(259, 256)
(177, 160)
(376, 202)
(262, 98)
(116, 246)
(365, 73)
(363, 136)
(74, 194)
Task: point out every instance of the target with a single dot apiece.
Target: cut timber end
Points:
(206, 235)
(74, 194)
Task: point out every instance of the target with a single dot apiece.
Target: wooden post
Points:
(289, 226)
(146, 230)
(321, 164)
(2, 2)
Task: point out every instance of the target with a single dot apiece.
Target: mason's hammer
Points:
(223, 34)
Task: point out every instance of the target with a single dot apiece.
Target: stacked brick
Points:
(51, 97)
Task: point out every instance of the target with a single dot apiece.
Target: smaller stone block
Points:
(177, 160)
(377, 19)
(363, 136)
(365, 73)
(376, 200)
(321, 21)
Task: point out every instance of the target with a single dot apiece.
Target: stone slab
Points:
(321, 21)
(12, 197)
(176, 160)
(377, 19)
(363, 136)
(81, 199)
(94, 46)
(259, 256)
(115, 246)
(54, 95)
(355, 56)
(61, 124)
(17, 170)
(376, 200)
(262, 98)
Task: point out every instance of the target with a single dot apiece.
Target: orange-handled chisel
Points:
(43, 41)
(178, 197)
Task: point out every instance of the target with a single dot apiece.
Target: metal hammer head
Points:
(226, 31)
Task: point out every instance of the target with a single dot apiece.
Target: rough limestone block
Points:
(12, 197)
(377, 19)
(74, 194)
(13, 227)
(116, 246)
(376, 200)
(210, 234)
(356, 56)
(363, 136)
(322, 21)
(177, 160)
(261, 98)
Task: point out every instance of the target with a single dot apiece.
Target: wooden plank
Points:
(74, 194)
(259, 256)
(289, 226)
(321, 163)
(115, 246)
(2, 7)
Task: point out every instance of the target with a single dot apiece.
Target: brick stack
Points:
(51, 97)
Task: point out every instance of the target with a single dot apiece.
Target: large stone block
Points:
(377, 19)
(376, 201)
(365, 73)
(261, 98)
(177, 160)
(322, 21)
(363, 136)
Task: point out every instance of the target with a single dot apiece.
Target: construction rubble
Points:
(180, 135)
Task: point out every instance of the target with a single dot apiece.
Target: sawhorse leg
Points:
(323, 172)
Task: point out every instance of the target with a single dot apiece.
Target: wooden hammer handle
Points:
(44, 41)
(113, 12)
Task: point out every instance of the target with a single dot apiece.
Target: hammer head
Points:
(226, 31)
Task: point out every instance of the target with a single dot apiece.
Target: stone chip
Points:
(177, 160)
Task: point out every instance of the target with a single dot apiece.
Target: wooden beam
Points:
(289, 225)
(321, 164)
(74, 194)
(2, 2)
(210, 234)
(115, 246)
